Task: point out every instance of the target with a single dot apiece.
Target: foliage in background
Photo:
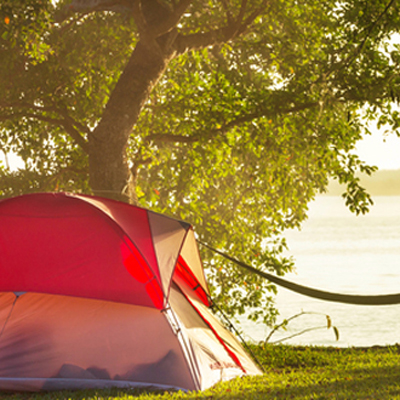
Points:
(250, 107)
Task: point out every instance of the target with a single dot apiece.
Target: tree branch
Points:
(197, 41)
(173, 19)
(74, 122)
(56, 110)
(138, 16)
(342, 64)
(209, 134)
(75, 135)
(242, 11)
(158, 27)
(20, 104)
(169, 138)
(369, 30)
(65, 123)
(227, 8)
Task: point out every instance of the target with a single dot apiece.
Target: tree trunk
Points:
(109, 170)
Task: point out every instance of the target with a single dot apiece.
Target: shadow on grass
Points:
(381, 383)
(338, 381)
(97, 394)
(367, 383)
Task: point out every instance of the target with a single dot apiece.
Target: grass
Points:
(290, 373)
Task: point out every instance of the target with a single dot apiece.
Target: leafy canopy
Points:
(236, 137)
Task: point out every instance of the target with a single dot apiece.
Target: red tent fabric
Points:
(98, 293)
(96, 248)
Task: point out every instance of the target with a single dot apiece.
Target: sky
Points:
(382, 151)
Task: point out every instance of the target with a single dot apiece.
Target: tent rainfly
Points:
(95, 293)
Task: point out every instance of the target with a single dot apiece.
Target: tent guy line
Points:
(366, 300)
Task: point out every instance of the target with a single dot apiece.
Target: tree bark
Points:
(109, 170)
(110, 175)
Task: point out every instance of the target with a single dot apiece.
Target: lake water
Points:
(340, 252)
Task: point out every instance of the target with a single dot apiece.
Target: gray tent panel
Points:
(168, 236)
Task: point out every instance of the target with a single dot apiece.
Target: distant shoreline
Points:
(381, 183)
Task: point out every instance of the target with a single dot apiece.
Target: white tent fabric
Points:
(52, 341)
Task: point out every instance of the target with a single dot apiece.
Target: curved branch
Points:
(172, 20)
(56, 110)
(170, 138)
(75, 135)
(74, 122)
(242, 10)
(369, 30)
(65, 123)
(197, 41)
(210, 134)
(343, 64)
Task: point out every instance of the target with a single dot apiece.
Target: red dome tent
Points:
(96, 293)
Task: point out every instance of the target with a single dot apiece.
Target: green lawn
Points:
(290, 373)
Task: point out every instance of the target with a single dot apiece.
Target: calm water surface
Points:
(338, 251)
